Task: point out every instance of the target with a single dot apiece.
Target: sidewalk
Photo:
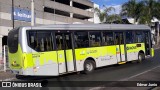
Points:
(156, 46)
(6, 76)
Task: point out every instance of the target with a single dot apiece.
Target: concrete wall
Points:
(42, 17)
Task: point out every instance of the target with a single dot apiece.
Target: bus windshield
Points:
(13, 40)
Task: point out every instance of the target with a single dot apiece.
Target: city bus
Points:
(53, 50)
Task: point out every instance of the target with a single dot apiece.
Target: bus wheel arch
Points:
(89, 65)
(141, 56)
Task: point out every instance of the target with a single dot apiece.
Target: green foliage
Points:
(105, 17)
(142, 11)
(101, 14)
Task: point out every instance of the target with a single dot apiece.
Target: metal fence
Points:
(4, 62)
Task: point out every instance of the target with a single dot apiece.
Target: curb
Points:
(9, 79)
(156, 88)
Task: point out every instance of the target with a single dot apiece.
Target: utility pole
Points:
(4, 58)
(54, 14)
(158, 27)
(32, 13)
(13, 13)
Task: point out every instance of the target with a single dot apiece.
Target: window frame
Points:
(52, 39)
(112, 37)
(133, 34)
(100, 38)
(74, 33)
(124, 38)
(142, 31)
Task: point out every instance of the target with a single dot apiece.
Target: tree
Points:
(104, 14)
(101, 14)
(142, 11)
(114, 18)
(151, 9)
(130, 9)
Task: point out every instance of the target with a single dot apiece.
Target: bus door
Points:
(147, 43)
(65, 52)
(120, 49)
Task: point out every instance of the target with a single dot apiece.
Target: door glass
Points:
(68, 40)
(119, 38)
(147, 46)
(59, 41)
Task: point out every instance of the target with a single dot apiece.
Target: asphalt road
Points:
(109, 73)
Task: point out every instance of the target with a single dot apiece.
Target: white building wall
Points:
(96, 18)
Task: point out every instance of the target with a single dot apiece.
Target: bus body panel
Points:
(15, 59)
(133, 50)
(120, 51)
(69, 58)
(152, 52)
(61, 61)
(41, 63)
(103, 56)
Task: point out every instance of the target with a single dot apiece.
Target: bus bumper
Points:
(44, 70)
(17, 72)
(152, 52)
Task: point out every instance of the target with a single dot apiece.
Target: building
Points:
(14, 13)
(96, 19)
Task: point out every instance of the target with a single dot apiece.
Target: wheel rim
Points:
(140, 57)
(89, 67)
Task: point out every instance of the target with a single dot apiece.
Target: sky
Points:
(114, 3)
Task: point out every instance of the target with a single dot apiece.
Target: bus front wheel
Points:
(89, 66)
(141, 57)
(19, 76)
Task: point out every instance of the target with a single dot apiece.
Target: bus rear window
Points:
(13, 40)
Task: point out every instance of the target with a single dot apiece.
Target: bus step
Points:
(121, 62)
(67, 72)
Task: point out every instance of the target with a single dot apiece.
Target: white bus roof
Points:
(91, 27)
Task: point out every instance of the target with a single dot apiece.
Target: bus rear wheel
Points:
(141, 57)
(89, 66)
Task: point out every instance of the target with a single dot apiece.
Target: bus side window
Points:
(108, 38)
(39, 40)
(81, 39)
(129, 37)
(139, 37)
(95, 39)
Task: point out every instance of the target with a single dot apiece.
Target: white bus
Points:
(54, 50)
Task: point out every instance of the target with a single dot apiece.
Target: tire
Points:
(19, 76)
(141, 57)
(89, 66)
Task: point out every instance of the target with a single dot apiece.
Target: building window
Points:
(40, 41)
(95, 39)
(81, 39)
(108, 38)
(129, 37)
(139, 37)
